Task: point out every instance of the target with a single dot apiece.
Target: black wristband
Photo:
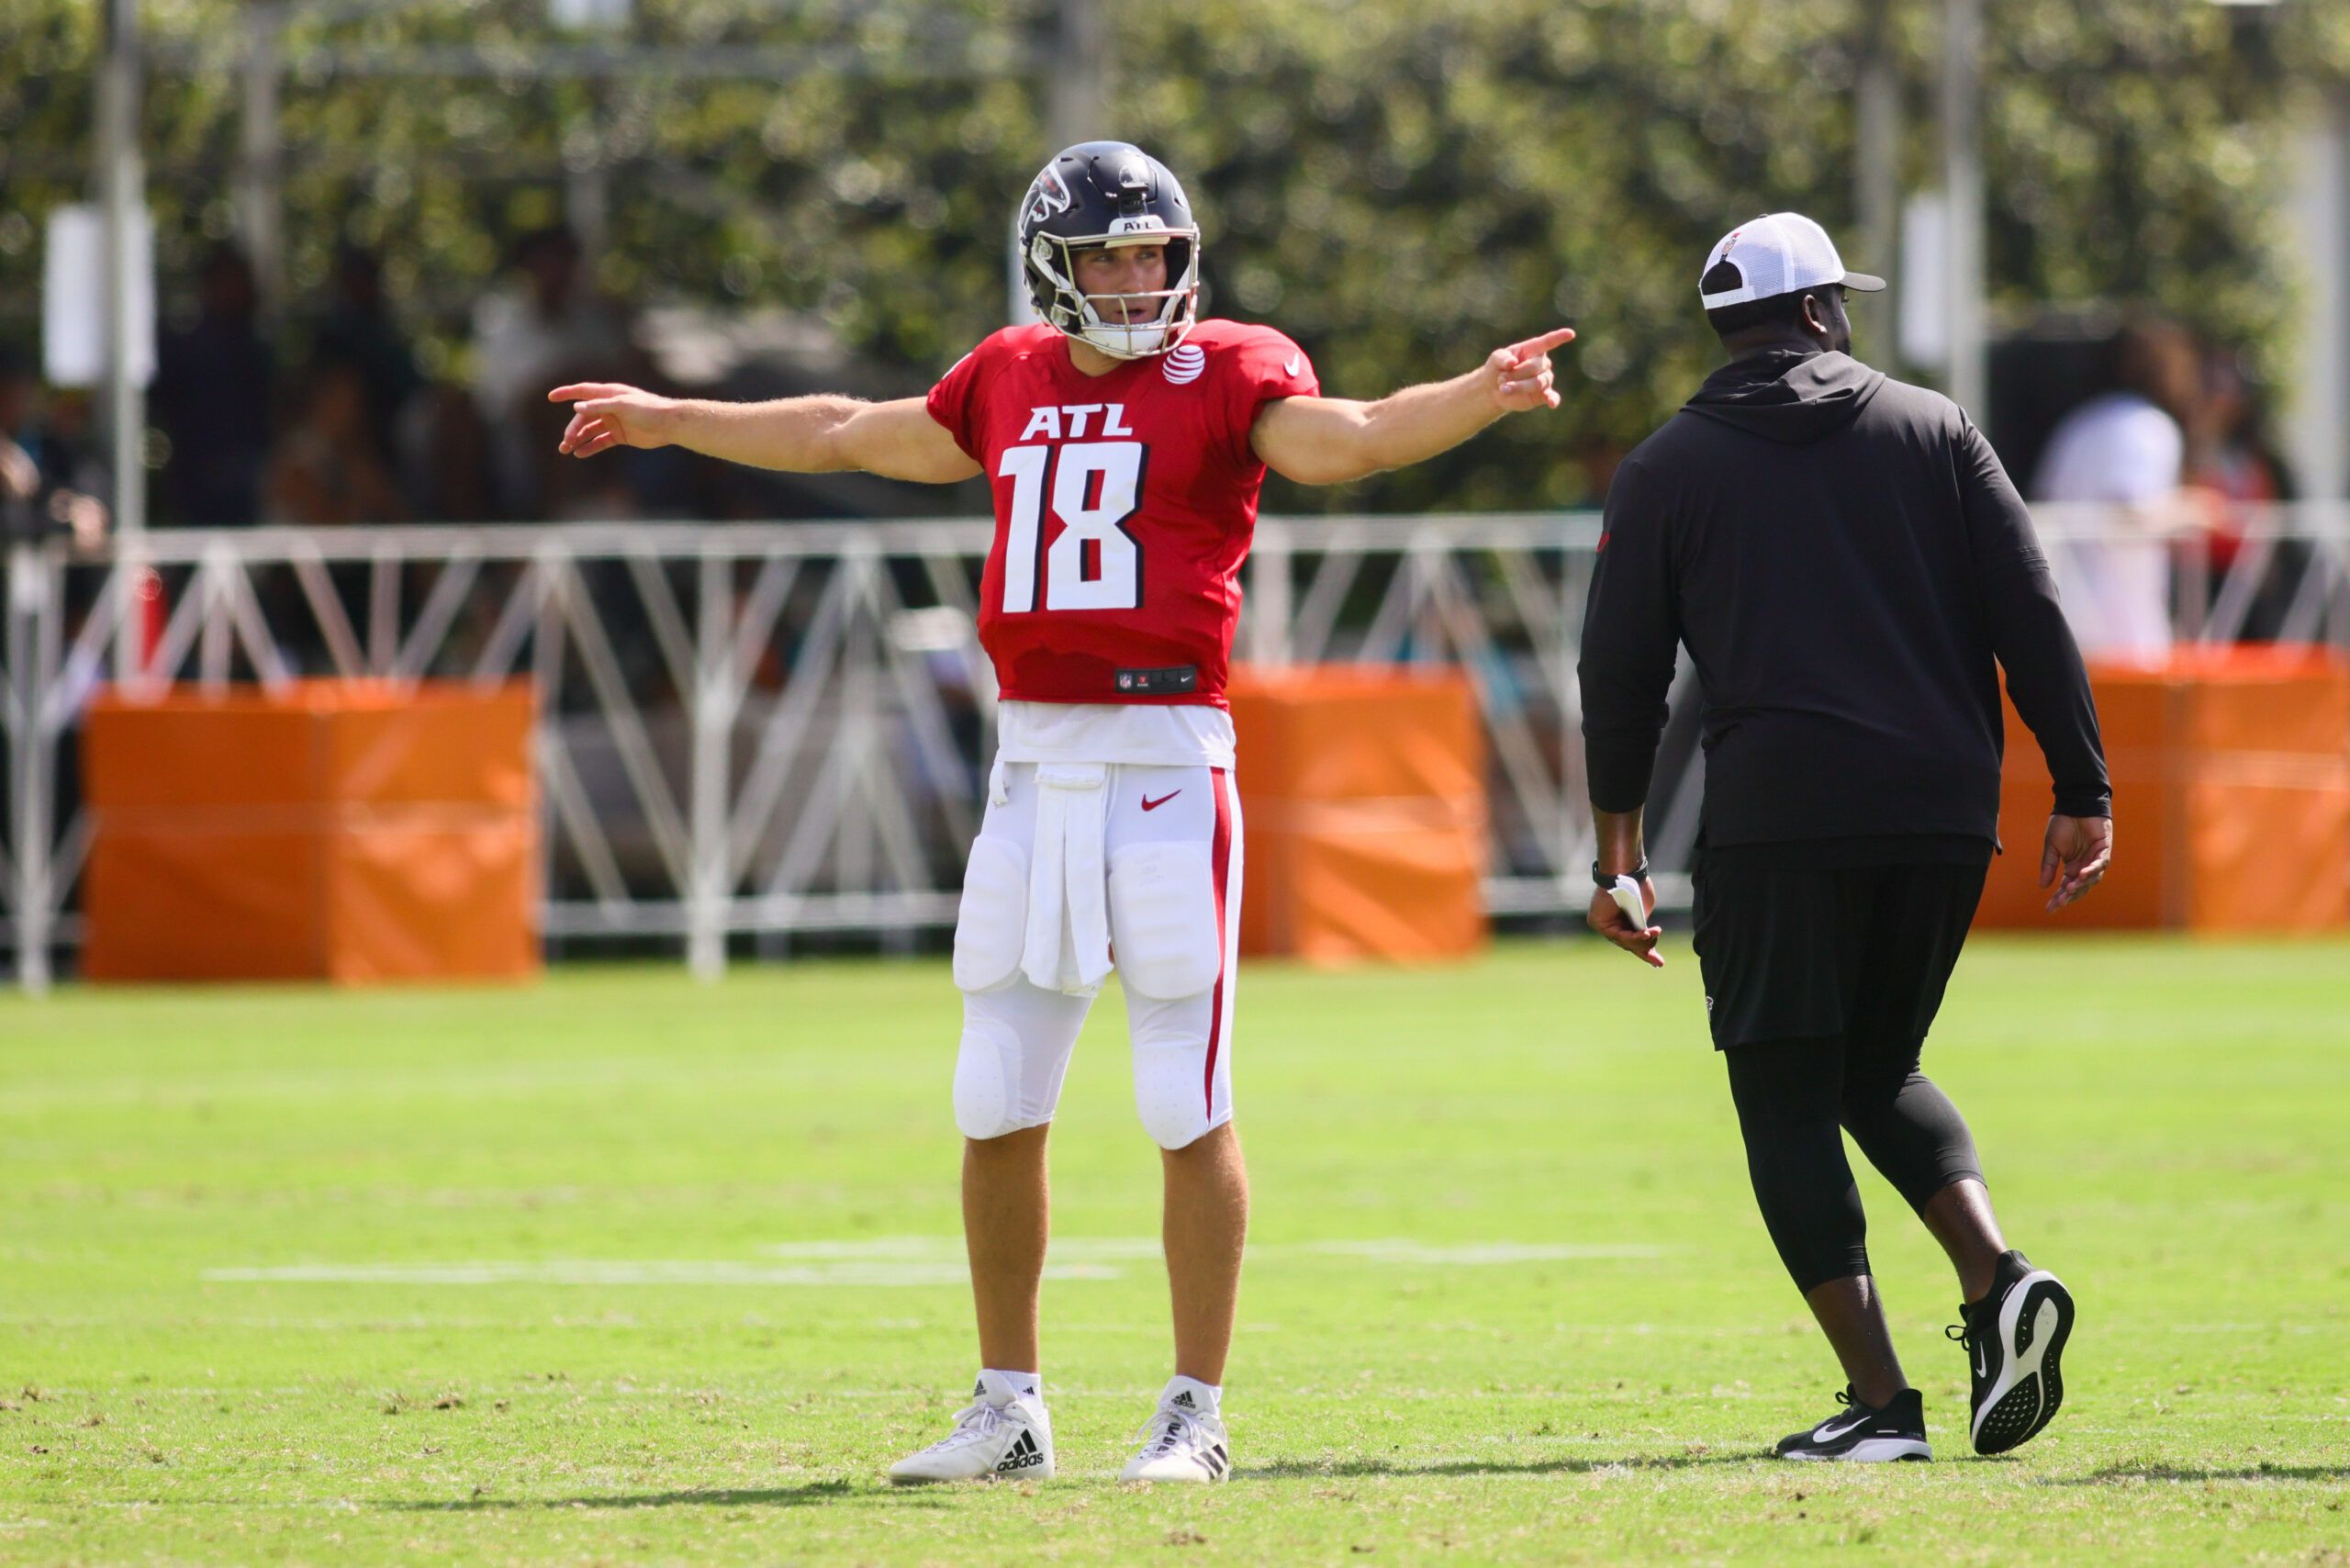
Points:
(1600, 879)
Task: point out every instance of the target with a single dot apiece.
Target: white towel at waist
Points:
(1068, 945)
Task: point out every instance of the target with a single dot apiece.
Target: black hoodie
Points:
(1845, 559)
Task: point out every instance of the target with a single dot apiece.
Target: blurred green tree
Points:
(1400, 185)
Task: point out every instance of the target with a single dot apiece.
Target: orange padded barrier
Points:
(339, 830)
(1362, 795)
(2230, 797)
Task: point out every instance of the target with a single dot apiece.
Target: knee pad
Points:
(987, 1080)
(1171, 1094)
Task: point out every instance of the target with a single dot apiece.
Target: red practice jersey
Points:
(1124, 504)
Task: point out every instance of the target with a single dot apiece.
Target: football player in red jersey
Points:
(1126, 441)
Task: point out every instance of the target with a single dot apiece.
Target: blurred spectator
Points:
(212, 398)
(69, 448)
(444, 456)
(551, 327)
(2125, 449)
(41, 474)
(358, 331)
(329, 465)
(2233, 464)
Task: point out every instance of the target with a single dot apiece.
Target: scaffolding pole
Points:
(1073, 113)
(123, 186)
(2320, 406)
(1961, 125)
(261, 194)
(1876, 183)
(28, 611)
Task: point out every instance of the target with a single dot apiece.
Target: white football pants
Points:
(1075, 867)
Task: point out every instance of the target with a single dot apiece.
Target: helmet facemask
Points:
(1168, 313)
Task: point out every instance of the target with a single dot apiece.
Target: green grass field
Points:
(620, 1269)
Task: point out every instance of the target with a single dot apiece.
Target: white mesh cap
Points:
(1780, 253)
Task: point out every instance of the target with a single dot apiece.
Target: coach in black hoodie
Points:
(1845, 561)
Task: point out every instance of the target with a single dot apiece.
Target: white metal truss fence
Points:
(783, 728)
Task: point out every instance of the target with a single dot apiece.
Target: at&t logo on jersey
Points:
(1185, 364)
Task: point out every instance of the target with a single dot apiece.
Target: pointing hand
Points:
(1521, 373)
(607, 413)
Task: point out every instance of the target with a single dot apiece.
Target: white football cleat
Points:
(1003, 1435)
(1182, 1440)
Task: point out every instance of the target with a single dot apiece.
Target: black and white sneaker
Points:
(2014, 1337)
(1183, 1441)
(1860, 1435)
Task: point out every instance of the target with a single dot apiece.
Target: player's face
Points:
(1106, 272)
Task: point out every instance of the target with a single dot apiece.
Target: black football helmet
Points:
(1110, 192)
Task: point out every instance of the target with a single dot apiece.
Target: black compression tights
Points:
(1792, 1095)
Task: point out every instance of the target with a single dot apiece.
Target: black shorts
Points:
(1791, 948)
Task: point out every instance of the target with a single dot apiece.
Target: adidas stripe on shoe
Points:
(1183, 1441)
(1026, 1453)
(1003, 1434)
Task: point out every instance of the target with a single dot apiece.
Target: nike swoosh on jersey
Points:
(1150, 805)
(1294, 361)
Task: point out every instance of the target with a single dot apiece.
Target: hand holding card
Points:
(1627, 892)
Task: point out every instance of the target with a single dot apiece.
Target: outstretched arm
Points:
(822, 434)
(1328, 441)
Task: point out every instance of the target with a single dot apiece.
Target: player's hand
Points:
(1520, 375)
(1608, 920)
(607, 413)
(19, 474)
(2079, 848)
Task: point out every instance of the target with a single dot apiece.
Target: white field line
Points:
(938, 1248)
(629, 1323)
(461, 1080)
(1133, 1248)
(623, 1271)
(1471, 1254)
(895, 1260)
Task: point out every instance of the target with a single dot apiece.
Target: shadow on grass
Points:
(818, 1493)
(1308, 1471)
(2114, 1473)
(813, 1494)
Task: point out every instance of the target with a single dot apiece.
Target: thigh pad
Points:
(991, 923)
(1163, 919)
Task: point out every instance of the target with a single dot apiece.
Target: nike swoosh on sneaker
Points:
(1150, 805)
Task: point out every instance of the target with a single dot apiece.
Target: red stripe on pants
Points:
(1220, 853)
